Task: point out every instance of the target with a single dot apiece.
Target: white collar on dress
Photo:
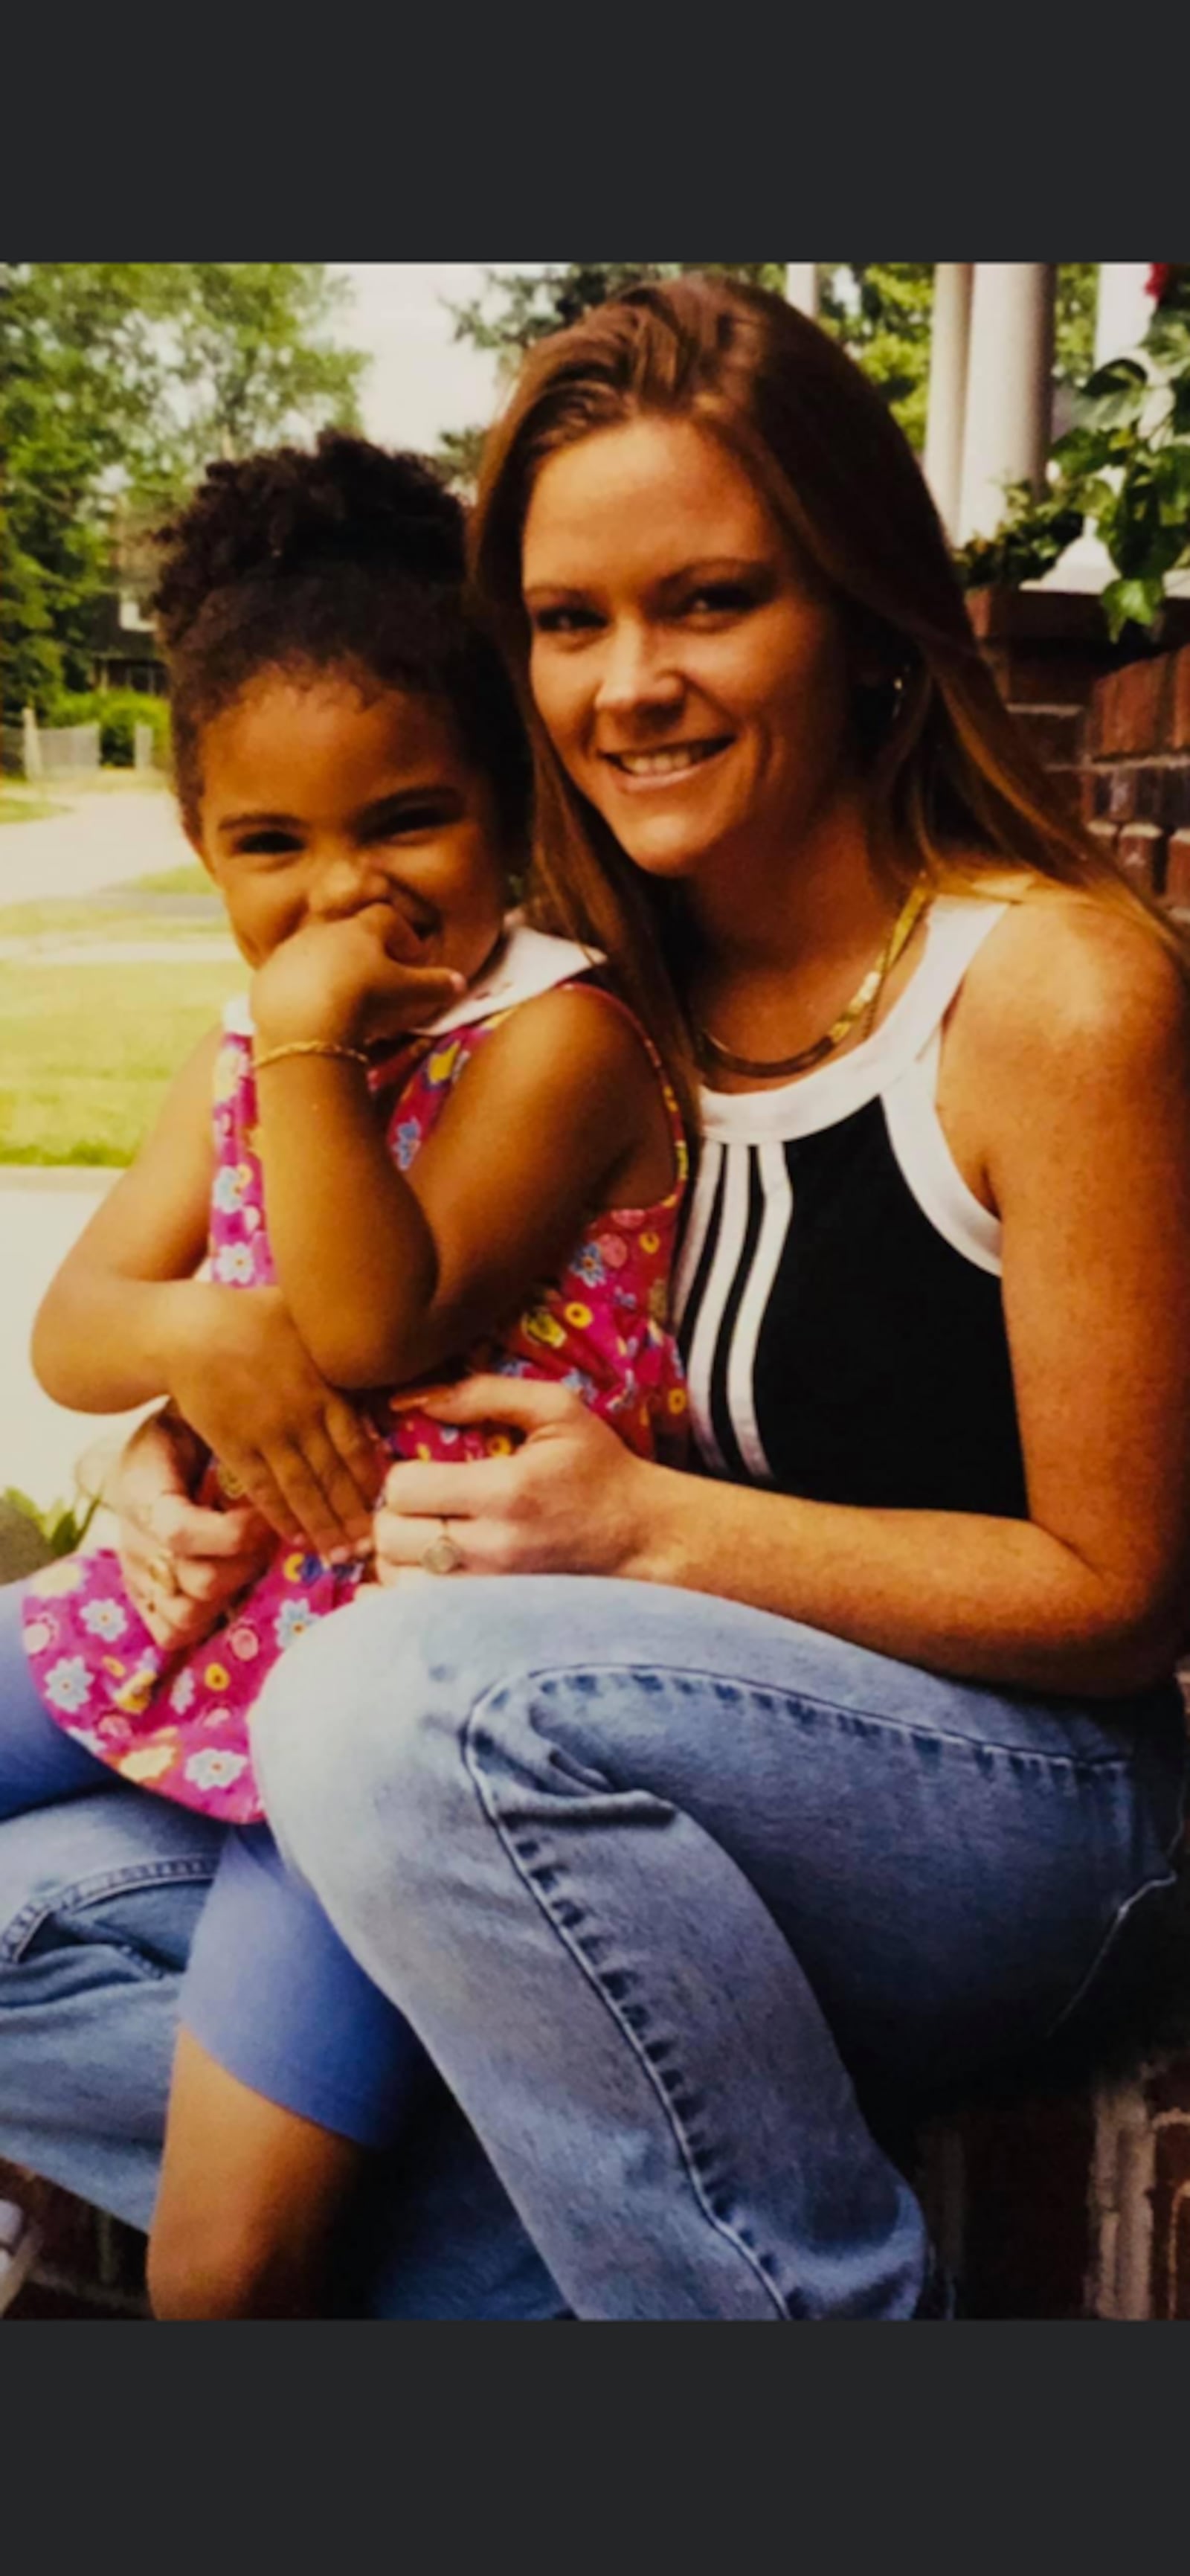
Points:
(528, 962)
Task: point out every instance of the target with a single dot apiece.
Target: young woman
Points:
(838, 1769)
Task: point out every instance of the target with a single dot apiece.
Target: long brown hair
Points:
(953, 781)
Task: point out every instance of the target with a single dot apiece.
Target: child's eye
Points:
(411, 822)
(266, 845)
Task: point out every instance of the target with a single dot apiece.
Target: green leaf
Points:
(1113, 396)
(1135, 602)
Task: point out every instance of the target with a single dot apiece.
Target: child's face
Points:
(316, 802)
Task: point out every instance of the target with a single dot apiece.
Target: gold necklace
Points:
(866, 999)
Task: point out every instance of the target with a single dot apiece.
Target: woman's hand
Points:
(300, 1453)
(570, 1500)
(182, 1564)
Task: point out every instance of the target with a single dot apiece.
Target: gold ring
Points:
(161, 1571)
(442, 1556)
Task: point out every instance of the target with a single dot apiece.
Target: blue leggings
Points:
(270, 1992)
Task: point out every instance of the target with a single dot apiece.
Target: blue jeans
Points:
(660, 1882)
(100, 1897)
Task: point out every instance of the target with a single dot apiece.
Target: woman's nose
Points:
(636, 675)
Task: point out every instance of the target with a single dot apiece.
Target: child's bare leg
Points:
(249, 2203)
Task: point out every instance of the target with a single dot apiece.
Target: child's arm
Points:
(558, 1113)
(125, 1321)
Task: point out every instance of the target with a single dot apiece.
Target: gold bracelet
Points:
(311, 1046)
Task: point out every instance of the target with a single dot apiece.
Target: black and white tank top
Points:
(838, 1291)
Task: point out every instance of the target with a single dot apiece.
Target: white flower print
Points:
(213, 1770)
(234, 1265)
(68, 1684)
(228, 1191)
(182, 1693)
(294, 1617)
(104, 1619)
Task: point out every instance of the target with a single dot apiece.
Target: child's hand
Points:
(300, 1452)
(351, 981)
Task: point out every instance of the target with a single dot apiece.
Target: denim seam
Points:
(686, 2152)
(95, 1890)
(810, 1706)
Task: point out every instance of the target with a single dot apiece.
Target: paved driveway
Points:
(104, 838)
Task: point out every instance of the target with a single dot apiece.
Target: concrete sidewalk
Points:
(41, 1215)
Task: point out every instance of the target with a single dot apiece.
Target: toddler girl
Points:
(441, 1142)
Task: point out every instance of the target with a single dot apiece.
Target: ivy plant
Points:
(1123, 467)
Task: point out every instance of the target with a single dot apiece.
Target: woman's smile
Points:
(671, 766)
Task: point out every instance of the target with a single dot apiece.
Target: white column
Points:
(1009, 387)
(950, 331)
(1123, 311)
(801, 287)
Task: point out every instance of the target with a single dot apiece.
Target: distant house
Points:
(124, 652)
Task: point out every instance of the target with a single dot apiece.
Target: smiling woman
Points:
(728, 1808)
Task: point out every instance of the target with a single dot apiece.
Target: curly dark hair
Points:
(342, 556)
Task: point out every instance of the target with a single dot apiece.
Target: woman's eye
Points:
(720, 598)
(563, 621)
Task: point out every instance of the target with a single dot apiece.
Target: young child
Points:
(499, 1190)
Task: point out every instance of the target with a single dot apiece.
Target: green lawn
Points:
(190, 878)
(86, 1051)
(26, 804)
(75, 919)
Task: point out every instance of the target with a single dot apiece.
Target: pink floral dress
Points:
(178, 1724)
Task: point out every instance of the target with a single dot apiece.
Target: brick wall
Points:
(1136, 772)
(1112, 728)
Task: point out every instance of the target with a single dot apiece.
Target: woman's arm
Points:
(1072, 1084)
(124, 1321)
(387, 1275)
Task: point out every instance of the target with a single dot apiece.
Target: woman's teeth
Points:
(661, 764)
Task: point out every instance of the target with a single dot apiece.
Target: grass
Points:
(26, 804)
(86, 1052)
(68, 918)
(188, 879)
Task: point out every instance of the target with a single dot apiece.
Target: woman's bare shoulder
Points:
(1071, 973)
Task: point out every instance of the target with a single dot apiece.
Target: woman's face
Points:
(692, 677)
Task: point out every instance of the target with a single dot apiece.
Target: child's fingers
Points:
(286, 1486)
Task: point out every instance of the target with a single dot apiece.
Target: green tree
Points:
(882, 315)
(118, 381)
(248, 358)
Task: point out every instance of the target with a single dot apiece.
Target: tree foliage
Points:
(118, 381)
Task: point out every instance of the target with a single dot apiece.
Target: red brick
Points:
(1055, 733)
(1127, 708)
(1179, 729)
(1140, 851)
(1177, 871)
(1167, 2098)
